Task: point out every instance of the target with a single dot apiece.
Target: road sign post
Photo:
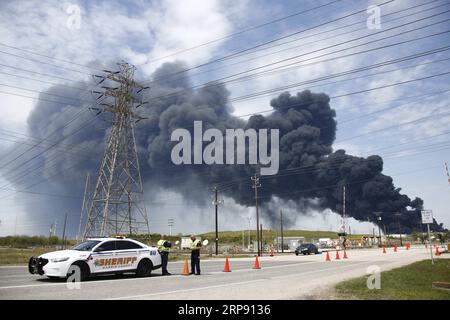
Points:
(427, 218)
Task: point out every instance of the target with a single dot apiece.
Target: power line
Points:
(397, 125)
(415, 96)
(47, 56)
(46, 63)
(52, 145)
(24, 140)
(379, 87)
(374, 88)
(315, 40)
(274, 40)
(335, 185)
(301, 169)
(338, 28)
(338, 51)
(327, 168)
(220, 81)
(42, 92)
(33, 98)
(331, 59)
(38, 73)
(43, 81)
(310, 168)
(29, 149)
(269, 92)
(241, 32)
(54, 131)
(302, 191)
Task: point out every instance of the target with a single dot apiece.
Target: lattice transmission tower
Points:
(116, 204)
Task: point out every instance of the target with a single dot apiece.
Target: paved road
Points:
(280, 277)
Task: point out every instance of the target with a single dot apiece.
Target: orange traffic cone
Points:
(345, 254)
(271, 252)
(395, 248)
(186, 268)
(337, 255)
(256, 264)
(384, 249)
(437, 251)
(227, 266)
(328, 256)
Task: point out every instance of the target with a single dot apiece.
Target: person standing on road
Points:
(164, 249)
(195, 255)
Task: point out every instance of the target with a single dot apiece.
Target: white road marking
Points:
(84, 283)
(11, 267)
(230, 284)
(187, 290)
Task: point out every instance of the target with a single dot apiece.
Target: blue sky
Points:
(142, 32)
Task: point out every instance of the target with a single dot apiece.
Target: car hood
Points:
(65, 253)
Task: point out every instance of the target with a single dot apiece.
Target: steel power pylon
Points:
(116, 205)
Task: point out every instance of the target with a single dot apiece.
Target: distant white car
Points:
(98, 256)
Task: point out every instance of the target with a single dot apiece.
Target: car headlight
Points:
(59, 259)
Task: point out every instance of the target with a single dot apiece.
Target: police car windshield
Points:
(86, 246)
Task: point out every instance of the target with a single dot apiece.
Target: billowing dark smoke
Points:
(311, 174)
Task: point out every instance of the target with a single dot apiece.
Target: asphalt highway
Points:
(280, 277)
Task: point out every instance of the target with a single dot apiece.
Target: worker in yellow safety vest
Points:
(195, 255)
(164, 249)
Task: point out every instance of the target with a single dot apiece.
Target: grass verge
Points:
(406, 283)
(15, 256)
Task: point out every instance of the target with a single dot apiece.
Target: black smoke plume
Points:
(311, 174)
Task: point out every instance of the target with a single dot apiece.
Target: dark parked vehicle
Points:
(306, 248)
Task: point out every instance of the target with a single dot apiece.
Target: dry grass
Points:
(15, 256)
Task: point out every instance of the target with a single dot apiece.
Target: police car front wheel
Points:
(84, 270)
(144, 268)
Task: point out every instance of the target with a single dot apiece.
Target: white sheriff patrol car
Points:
(98, 256)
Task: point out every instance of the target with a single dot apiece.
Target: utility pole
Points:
(117, 205)
(216, 204)
(398, 214)
(256, 185)
(278, 242)
(261, 237)
(343, 230)
(379, 231)
(170, 224)
(281, 225)
(448, 174)
(378, 214)
(343, 205)
(51, 231)
(64, 233)
(373, 235)
(249, 237)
